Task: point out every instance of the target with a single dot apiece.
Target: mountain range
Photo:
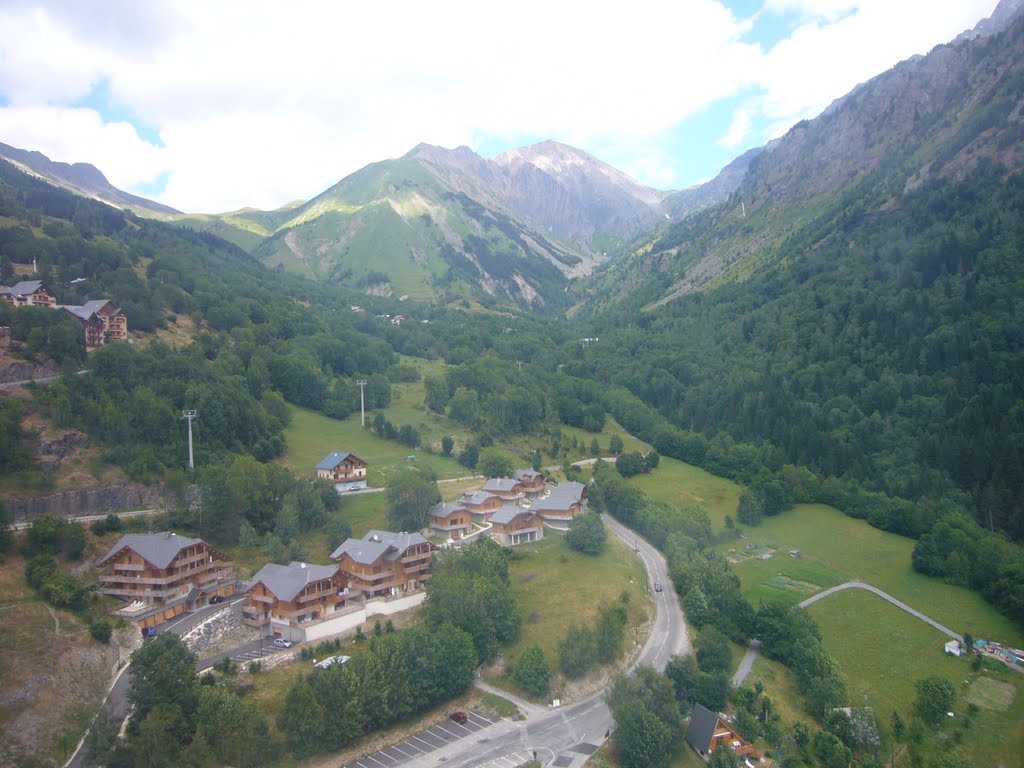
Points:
(523, 229)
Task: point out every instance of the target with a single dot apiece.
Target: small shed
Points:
(954, 648)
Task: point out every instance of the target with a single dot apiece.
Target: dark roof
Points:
(701, 728)
(477, 497)
(27, 287)
(445, 508)
(159, 549)
(286, 581)
(501, 484)
(526, 475)
(368, 549)
(331, 460)
(506, 515)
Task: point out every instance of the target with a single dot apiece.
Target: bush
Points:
(101, 630)
(532, 671)
(39, 569)
(587, 534)
(110, 524)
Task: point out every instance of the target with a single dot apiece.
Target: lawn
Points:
(852, 549)
(679, 484)
(884, 651)
(311, 436)
(557, 586)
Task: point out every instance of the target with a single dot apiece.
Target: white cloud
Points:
(738, 130)
(260, 103)
(60, 133)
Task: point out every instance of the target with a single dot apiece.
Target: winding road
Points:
(752, 651)
(567, 736)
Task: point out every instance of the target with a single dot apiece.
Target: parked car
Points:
(459, 717)
(657, 586)
(282, 643)
(216, 599)
(149, 631)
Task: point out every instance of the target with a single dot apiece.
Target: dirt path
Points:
(751, 655)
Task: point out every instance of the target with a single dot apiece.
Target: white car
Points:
(282, 643)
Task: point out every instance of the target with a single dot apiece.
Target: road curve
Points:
(752, 651)
(576, 730)
(884, 596)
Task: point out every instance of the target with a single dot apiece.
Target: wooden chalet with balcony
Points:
(293, 600)
(563, 502)
(709, 731)
(101, 320)
(384, 564)
(346, 470)
(451, 520)
(516, 525)
(505, 488)
(29, 293)
(162, 575)
(532, 482)
(480, 504)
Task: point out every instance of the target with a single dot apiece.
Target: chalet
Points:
(563, 502)
(29, 293)
(532, 482)
(481, 504)
(709, 731)
(384, 564)
(291, 600)
(514, 525)
(505, 488)
(451, 520)
(163, 575)
(346, 470)
(101, 320)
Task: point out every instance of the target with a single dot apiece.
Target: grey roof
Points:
(26, 287)
(286, 581)
(477, 497)
(561, 498)
(506, 515)
(701, 728)
(445, 508)
(331, 460)
(159, 549)
(368, 549)
(500, 484)
(526, 475)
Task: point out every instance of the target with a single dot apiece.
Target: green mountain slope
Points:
(408, 227)
(862, 318)
(83, 179)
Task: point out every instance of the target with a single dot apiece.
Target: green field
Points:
(679, 484)
(311, 436)
(842, 548)
(884, 651)
(557, 586)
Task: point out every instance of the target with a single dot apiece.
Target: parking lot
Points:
(425, 742)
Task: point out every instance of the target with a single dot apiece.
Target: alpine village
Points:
(515, 461)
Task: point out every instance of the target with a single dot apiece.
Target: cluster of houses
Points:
(100, 319)
(163, 575)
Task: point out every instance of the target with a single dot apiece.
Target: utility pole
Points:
(362, 402)
(520, 364)
(188, 416)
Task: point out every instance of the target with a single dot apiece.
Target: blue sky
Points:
(214, 106)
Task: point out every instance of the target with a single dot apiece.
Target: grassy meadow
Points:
(680, 484)
(835, 548)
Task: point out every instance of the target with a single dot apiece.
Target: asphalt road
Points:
(562, 737)
(566, 736)
(116, 705)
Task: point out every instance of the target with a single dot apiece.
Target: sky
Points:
(212, 105)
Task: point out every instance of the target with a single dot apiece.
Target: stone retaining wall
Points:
(120, 497)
